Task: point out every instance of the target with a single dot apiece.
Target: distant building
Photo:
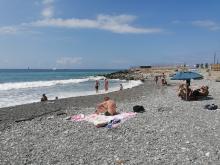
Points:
(145, 66)
(215, 67)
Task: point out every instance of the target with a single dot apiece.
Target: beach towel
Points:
(102, 119)
(79, 117)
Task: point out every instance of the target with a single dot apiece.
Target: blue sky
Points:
(107, 33)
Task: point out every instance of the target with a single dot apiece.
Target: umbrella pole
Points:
(187, 85)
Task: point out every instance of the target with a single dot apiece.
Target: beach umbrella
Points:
(186, 76)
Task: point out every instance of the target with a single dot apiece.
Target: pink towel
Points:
(79, 117)
(99, 119)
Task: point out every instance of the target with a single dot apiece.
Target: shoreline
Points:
(113, 88)
(31, 110)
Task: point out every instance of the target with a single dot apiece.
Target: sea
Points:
(23, 86)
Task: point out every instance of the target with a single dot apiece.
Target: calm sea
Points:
(18, 86)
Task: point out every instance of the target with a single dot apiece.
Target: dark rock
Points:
(125, 75)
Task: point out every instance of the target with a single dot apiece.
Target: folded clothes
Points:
(113, 123)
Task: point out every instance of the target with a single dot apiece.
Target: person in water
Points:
(44, 98)
(106, 84)
(97, 86)
(108, 107)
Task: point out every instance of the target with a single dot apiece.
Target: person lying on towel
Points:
(108, 107)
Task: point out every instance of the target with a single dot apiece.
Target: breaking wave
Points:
(37, 84)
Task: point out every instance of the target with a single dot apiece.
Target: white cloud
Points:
(8, 30)
(116, 24)
(18, 29)
(208, 24)
(69, 60)
(48, 9)
(47, 1)
(47, 12)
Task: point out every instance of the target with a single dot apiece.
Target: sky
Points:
(107, 34)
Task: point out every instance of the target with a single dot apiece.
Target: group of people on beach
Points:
(97, 84)
(186, 93)
(106, 85)
(162, 77)
(107, 107)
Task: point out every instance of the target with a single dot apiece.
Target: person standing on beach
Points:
(121, 87)
(156, 79)
(106, 84)
(97, 86)
(163, 79)
(163, 75)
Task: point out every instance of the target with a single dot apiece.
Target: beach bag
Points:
(211, 107)
(138, 109)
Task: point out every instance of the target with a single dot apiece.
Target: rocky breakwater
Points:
(126, 75)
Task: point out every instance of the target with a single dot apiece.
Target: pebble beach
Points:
(171, 131)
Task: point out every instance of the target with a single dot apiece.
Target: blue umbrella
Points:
(186, 76)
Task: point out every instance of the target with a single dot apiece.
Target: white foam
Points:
(126, 85)
(96, 77)
(36, 84)
(131, 84)
(12, 100)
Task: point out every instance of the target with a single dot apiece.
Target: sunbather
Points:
(186, 93)
(182, 91)
(204, 91)
(108, 107)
